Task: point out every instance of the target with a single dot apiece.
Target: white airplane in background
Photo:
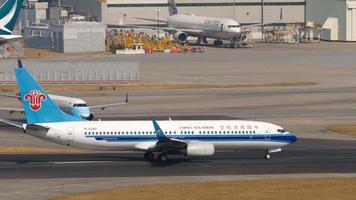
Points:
(202, 27)
(9, 12)
(157, 139)
(73, 106)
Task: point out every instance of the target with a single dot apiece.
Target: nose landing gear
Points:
(268, 156)
(269, 151)
(242, 41)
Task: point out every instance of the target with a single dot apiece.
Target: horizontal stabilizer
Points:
(13, 123)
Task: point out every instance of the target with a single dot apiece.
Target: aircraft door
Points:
(222, 27)
(268, 134)
(70, 136)
(268, 137)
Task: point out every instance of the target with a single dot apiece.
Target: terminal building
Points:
(121, 12)
(336, 17)
(51, 25)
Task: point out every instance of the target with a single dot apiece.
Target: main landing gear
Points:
(156, 156)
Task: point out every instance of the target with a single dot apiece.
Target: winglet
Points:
(158, 130)
(127, 98)
(19, 63)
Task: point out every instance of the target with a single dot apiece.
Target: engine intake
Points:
(180, 37)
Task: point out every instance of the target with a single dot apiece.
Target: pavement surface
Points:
(306, 156)
(305, 110)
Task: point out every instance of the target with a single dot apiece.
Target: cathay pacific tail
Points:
(9, 13)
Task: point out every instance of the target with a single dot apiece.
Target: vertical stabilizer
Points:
(9, 13)
(39, 107)
(172, 8)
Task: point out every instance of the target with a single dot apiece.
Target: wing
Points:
(12, 110)
(164, 144)
(246, 25)
(152, 20)
(189, 32)
(171, 30)
(10, 96)
(7, 38)
(103, 106)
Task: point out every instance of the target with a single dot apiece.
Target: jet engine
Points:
(200, 149)
(180, 37)
(91, 117)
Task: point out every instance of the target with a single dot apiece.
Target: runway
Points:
(306, 156)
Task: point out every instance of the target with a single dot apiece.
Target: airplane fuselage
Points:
(139, 135)
(212, 27)
(72, 106)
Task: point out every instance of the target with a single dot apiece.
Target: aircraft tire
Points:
(148, 156)
(268, 156)
(163, 158)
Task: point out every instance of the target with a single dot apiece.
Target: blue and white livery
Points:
(157, 139)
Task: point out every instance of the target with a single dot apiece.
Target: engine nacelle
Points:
(91, 117)
(200, 149)
(180, 37)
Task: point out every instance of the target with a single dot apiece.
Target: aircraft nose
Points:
(293, 138)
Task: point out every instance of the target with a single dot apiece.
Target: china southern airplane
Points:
(202, 27)
(157, 139)
(9, 13)
(73, 106)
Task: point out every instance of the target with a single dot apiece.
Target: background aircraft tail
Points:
(9, 13)
(39, 107)
(172, 8)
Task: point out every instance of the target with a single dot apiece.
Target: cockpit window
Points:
(281, 130)
(233, 26)
(80, 105)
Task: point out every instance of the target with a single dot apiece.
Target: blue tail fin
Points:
(172, 8)
(9, 13)
(39, 107)
(160, 134)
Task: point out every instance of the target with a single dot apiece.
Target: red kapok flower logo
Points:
(35, 99)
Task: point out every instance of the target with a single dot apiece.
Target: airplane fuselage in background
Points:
(212, 27)
(73, 106)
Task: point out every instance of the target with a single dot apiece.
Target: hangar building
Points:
(121, 12)
(336, 17)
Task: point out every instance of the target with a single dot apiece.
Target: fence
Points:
(78, 73)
